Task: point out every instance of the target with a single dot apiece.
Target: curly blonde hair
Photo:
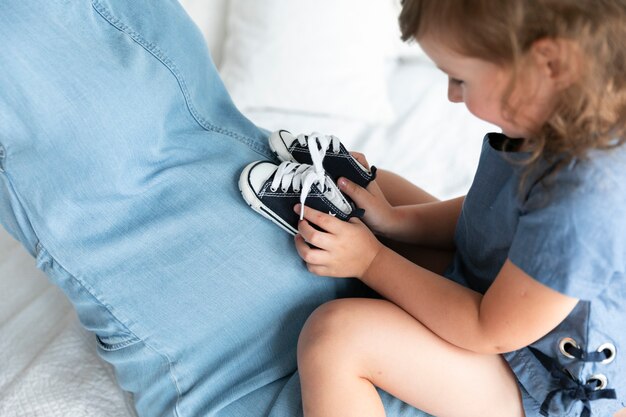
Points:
(590, 113)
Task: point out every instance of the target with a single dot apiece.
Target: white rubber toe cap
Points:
(257, 173)
(280, 141)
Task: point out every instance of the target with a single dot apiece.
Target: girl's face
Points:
(482, 85)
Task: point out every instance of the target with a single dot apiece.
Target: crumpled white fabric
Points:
(48, 363)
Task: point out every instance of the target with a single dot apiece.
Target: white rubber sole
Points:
(250, 197)
(278, 147)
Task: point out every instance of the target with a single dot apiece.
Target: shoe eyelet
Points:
(284, 190)
(273, 189)
(600, 381)
(565, 344)
(611, 352)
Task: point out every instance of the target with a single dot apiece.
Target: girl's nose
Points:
(455, 92)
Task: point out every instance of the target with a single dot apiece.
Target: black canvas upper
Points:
(280, 204)
(336, 165)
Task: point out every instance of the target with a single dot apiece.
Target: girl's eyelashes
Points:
(455, 81)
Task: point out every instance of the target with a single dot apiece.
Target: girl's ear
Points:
(558, 60)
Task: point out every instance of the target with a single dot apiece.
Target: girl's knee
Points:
(325, 323)
(331, 332)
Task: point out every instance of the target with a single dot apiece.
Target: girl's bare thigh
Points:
(376, 341)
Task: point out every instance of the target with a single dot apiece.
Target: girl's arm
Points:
(429, 224)
(515, 311)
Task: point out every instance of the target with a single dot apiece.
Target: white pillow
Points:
(210, 16)
(323, 57)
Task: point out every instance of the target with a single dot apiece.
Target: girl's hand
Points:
(380, 216)
(345, 249)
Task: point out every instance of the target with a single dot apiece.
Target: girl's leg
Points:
(399, 192)
(350, 346)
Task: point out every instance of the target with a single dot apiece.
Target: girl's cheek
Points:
(476, 108)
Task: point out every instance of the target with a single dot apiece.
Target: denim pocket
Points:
(115, 342)
(95, 315)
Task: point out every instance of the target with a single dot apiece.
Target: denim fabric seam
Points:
(587, 327)
(3, 154)
(12, 189)
(530, 371)
(90, 290)
(155, 51)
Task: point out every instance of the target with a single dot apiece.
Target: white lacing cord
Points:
(318, 145)
(302, 177)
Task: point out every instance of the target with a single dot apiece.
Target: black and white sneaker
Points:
(321, 150)
(273, 190)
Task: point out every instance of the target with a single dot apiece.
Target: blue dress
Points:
(567, 230)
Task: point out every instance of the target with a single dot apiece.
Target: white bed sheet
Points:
(48, 364)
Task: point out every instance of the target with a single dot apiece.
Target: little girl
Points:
(512, 300)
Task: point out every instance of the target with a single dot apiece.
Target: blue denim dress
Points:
(568, 231)
(120, 152)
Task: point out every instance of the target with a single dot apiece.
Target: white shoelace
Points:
(318, 145)
(302, 177)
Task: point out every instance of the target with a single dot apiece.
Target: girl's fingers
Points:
(361, 159)
(357, 193)
(325, 221)
(313, 236)
(313, 257)
(375, 190)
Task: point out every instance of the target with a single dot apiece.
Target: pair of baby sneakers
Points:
(308, 174)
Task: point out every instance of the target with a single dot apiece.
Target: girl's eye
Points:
(455, 81)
